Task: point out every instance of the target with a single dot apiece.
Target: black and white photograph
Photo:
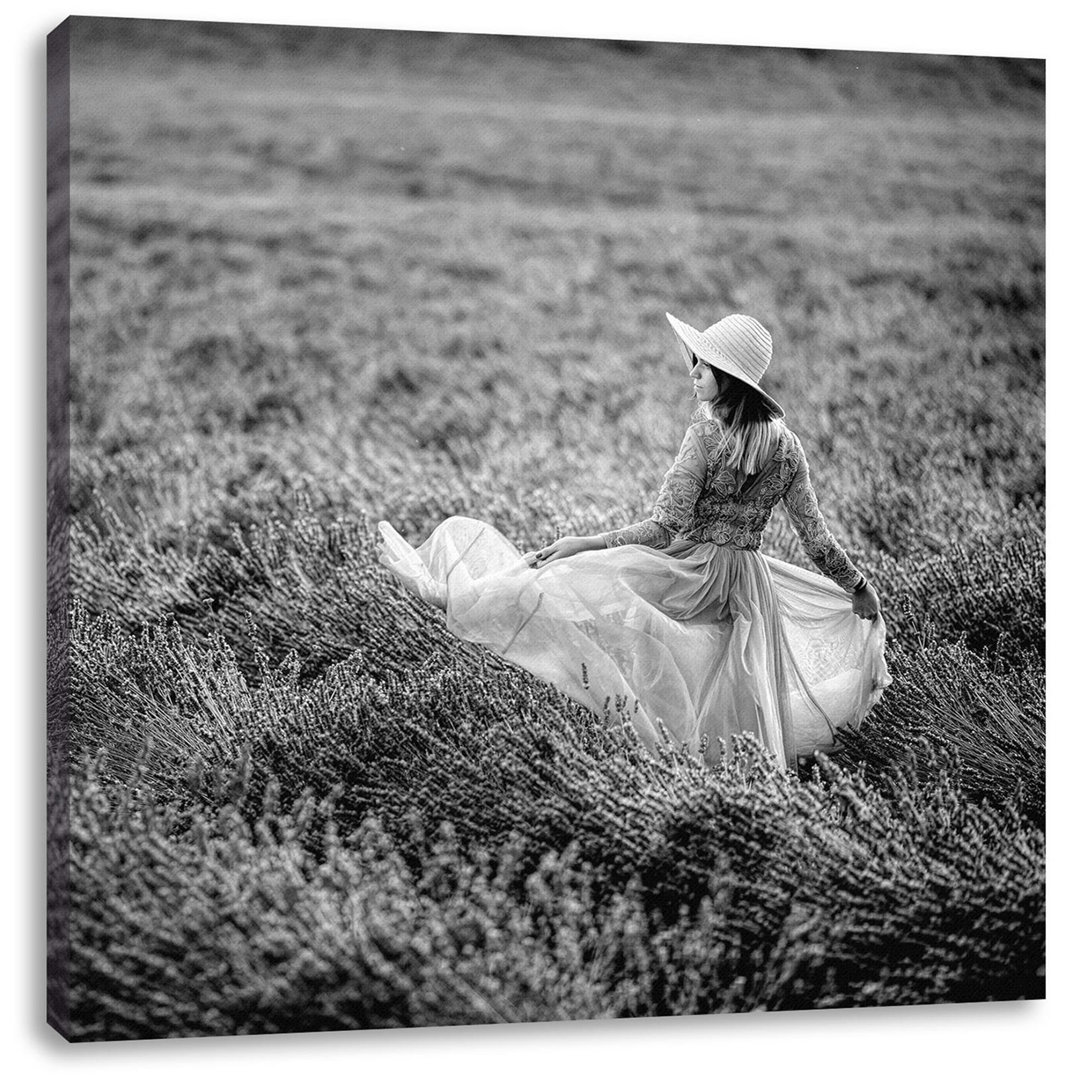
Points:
(539, 528)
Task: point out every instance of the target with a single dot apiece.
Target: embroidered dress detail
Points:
(703, 500)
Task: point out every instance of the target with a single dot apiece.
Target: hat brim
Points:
(694, 343)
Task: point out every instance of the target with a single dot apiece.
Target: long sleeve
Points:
(675, 502)
(803, 512)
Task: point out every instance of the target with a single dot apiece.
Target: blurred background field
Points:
(322, 277)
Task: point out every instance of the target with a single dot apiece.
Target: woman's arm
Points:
(672, 511)
(674, 507)
(648, 532)
(803, 512)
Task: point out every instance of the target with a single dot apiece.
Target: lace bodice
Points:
(702, 499)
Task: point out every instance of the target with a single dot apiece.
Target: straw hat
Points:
(737, 344)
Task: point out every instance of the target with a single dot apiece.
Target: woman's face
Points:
(705, 386)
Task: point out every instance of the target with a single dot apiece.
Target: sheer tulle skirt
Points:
(701, 640)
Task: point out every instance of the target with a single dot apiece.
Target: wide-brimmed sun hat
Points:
(738, 345)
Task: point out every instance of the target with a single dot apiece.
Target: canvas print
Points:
(539, 529)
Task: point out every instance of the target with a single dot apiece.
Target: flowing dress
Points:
(680, 627)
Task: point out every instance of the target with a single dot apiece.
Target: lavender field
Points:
(321, 278)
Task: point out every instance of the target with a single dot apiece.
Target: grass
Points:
(323, 278)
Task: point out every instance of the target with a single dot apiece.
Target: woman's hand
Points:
(865, 603)
(562, 549)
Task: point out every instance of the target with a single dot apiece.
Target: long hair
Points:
(750, 430)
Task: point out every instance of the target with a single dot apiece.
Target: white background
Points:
(1026, 1040)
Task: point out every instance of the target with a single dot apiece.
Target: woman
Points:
(678, 624)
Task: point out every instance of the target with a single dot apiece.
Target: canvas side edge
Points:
(58, 591)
